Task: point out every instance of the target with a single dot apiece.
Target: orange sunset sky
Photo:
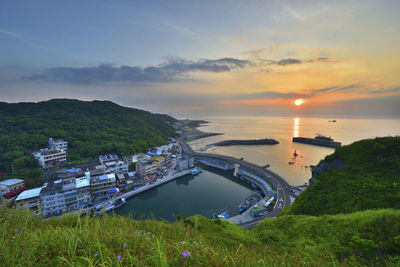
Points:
(213, 57)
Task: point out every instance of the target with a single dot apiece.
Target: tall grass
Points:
(370, 237)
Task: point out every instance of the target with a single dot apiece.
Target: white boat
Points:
(195, 171)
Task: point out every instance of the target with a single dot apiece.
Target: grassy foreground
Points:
(362, 238)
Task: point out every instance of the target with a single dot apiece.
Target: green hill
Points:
(369, 179)
(91, 129)
(369, 237)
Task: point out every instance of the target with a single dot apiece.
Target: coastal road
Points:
(281, 187)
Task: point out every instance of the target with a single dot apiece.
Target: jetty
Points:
(319, 140)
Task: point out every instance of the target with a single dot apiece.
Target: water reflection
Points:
(296, 127)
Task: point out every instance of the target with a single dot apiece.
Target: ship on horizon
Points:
(319, 140)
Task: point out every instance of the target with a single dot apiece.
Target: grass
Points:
(369, 237)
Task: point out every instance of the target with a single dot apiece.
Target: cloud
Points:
(385, 90)
(284, 62)
(173, 69)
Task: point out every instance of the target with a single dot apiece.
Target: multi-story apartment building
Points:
(146, 170)
(58, 144)
(102, 186)
(112, 163)
(159, 161)
(30, 199)
(107, 158)
(12, 184)
(50, 158)
(64, 195)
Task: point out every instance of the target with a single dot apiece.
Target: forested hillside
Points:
(369, 179)
(91, 129)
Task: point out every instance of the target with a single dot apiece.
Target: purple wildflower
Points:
(188, 252)
(16, 230)
(184, 254)
(119, 257)
(97, 254)
(124, 245)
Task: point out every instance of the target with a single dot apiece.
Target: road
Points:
(281, 187)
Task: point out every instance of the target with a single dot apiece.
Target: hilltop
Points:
(92, 128)
(363, 175)
(369, 237)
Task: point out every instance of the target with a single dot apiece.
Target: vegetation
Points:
(91, 129)
(369, 237)
(369, 180)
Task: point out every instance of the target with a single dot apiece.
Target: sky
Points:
(206, 57)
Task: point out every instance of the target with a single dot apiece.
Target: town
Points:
(96, 189)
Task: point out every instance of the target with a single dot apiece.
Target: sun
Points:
(298, 102)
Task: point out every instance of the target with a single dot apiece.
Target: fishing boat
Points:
(195, 171)
(119, 202)
(221, 215)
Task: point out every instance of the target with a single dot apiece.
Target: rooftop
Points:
(29, 194)
(10, 182)
(82, 182)
(258, 208)
(108, 157)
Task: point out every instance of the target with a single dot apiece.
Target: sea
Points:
(214, 190)
(283, 129)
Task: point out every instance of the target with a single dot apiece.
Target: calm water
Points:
(283, 129)
(213, 190)
(204, 194)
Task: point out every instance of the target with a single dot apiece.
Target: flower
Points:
(97, 254)
(16, 230)
(184, 254)
(188, 252)
(124, 245)
(119, 257)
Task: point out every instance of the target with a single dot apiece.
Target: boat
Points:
(250, 200)
(243, 207)
(295, 153)
(119, 202)
(319, 140)
(221, 215)
(291, 162)
(195, 171)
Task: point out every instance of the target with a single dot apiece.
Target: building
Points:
(13, 184)
(112, 163)
(102, 186)
(107, 158)
(258, 211)
(58, 144)
(159, 161)
(50, 158)
(117, 166)
(146, 170)
(3, 190)
(65, 195)
(30, 199)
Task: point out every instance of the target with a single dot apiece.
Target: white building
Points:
(3, 190)
(50, 158)
(112, 163)
(30, 199)
(12, 184)
(58, 144)
(107, 158)
(65, 195)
